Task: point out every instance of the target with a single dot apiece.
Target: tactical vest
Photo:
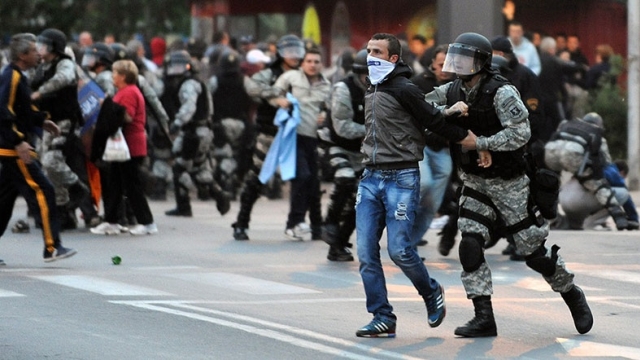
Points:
(357, 104)
(265, 111)
(588, 135)
(171, 101)
(63, 103)
(231, 99)
(483, 121)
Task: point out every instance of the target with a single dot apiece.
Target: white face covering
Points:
(378, 69)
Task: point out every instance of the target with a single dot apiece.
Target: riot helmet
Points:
(229, 62)
(501, 64)
(468, 54)
(196, 47)
(120, 52)
(177, 63)
(51, 41)
(360, 63)
(594, 118)
(96, 54)
(290, 46)
(346, 60)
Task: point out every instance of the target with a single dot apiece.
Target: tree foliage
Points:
(119, 17)
(609, 100)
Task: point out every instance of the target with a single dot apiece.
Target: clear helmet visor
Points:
(292, 52)
(89, 60)
(464, 60)
(177, 69)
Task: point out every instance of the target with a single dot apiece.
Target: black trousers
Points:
(305, 187)
(125, 178)
(16, 177)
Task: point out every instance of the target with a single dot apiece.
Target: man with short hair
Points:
(523, 48)
(311, 89)
(396, 116)
(21, 172)
(290, 52)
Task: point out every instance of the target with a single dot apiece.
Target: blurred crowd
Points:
(199, 122)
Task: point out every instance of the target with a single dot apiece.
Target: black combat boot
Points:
(183, 203)
(223, 200)
(340, 254)
(239, 232)
(483, 324)
(340, 196)
(619, 217)
(577, 302)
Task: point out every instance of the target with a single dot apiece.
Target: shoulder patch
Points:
(511, 105)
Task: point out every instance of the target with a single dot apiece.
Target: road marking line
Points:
(617, 275)
(593, 349)
(7, 293)
(154, 268)
(16, 270)
(245, 284)
(273, 334)
(101, 286)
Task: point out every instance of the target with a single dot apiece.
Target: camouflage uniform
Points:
(57, 84)
(579, 148)
(230, 120)
(346, 131)
(488, 197)
(260, 88)
(160, 155)
(193, 167)
(105, 80)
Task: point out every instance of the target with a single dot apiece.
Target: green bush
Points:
(609, 101)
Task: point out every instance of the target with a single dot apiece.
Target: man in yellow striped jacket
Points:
(20, 123)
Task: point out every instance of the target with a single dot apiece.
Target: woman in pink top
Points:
(124, 178)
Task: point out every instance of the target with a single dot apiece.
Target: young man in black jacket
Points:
(396, 117)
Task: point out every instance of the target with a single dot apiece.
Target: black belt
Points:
(393, 165)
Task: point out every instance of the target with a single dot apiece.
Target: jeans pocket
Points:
(365, 174)
(407, 179)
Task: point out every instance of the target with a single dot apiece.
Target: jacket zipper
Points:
(374, 125)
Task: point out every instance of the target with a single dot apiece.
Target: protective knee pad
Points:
(470, 251)
(540, 262)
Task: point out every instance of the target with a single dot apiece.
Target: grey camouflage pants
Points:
(511, 199)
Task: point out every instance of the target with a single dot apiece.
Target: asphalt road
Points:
(192, 292)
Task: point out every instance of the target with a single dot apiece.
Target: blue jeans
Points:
(388, 198)
(435, 170)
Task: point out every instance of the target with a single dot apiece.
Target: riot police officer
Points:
(230, 122)
(98, 59)
(346, 130)
(291, 50)
(501, 191)
(189, 105)
(55, 86)
(579, 147)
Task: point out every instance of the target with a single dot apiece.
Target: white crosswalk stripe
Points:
(100, 286)
(245, 284)
(7, 293)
